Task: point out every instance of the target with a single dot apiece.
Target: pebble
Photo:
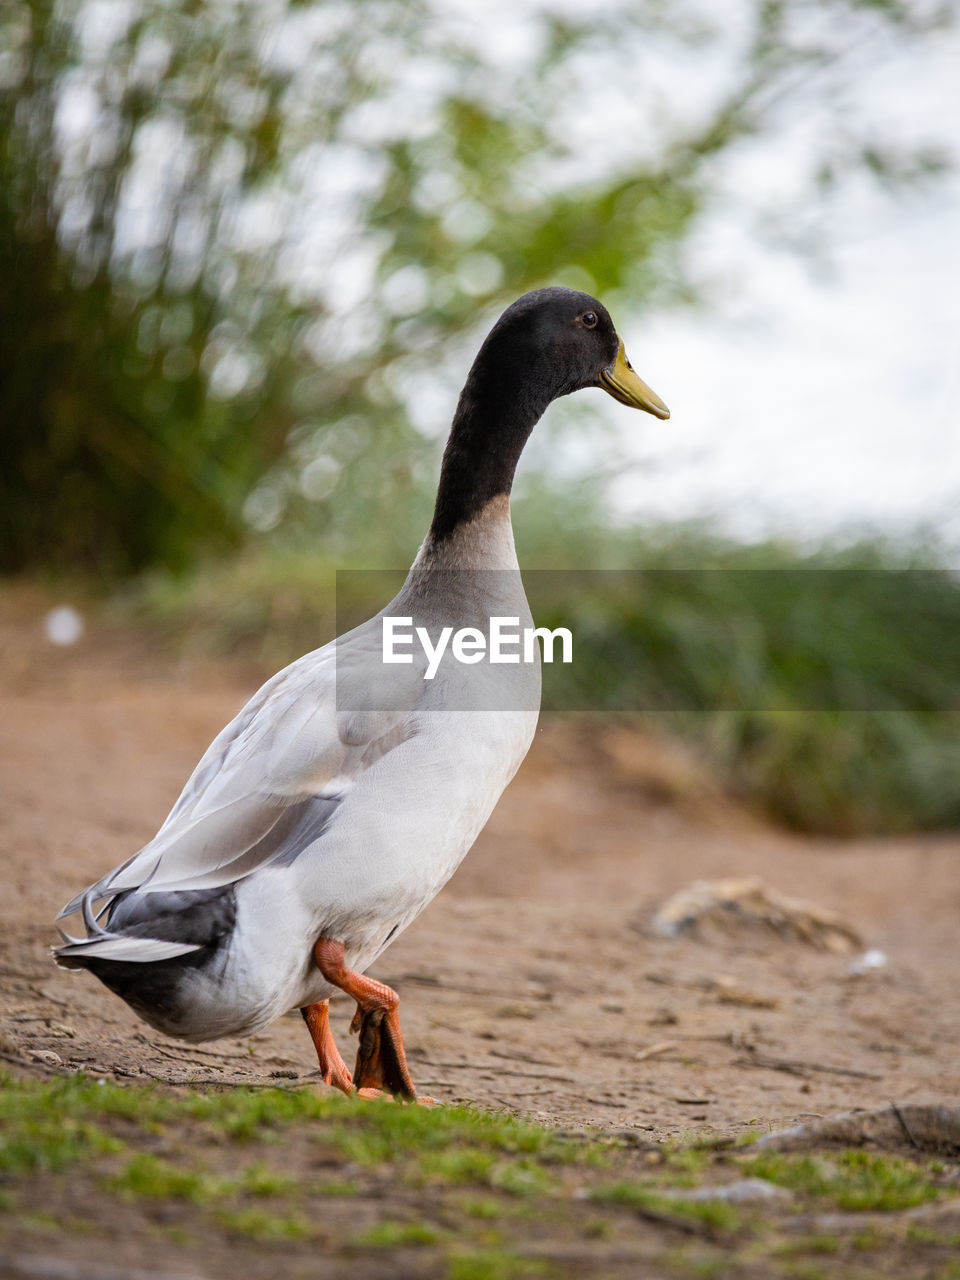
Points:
(47, 1057)
(742, 1190)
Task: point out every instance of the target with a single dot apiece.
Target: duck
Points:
(338, 802)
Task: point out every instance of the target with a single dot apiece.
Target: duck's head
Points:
(552, 342)
(547, 344)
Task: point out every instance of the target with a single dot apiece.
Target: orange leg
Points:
(332, 1066)
(381, 1060)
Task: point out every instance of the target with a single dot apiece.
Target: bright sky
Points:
(810, 396)
(807, 396)
(810, 402)
(813, 399)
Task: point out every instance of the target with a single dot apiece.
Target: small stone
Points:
(47, 1057)
(61, 1029)
(869, 962)
(663, 1017)
(516, 1011)
(743, 1190)
(718, 910)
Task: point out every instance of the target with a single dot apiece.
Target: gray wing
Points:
(271, 782)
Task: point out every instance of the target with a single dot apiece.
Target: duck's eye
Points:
(589, 319)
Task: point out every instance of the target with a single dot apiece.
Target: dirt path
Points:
(533, 981)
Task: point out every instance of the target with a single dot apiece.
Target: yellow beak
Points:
(625, 385)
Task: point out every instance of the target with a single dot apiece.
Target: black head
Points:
(546, 344)
(552, 342)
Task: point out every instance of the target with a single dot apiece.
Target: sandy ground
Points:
(534, 980)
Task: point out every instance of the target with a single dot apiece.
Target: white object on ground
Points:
(741, 1190)
(63, 625)
(868, 962)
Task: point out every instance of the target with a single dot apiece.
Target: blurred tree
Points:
(242, 244)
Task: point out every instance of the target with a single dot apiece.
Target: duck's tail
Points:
(76, 953)
(103, 944)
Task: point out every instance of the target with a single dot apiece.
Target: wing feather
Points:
(272, 781)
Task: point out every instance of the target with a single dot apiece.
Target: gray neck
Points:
(483, 542)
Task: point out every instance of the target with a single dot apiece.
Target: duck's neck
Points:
(494, 418)
(483, 542)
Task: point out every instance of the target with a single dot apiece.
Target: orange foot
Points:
(332, 1066)
(381, 1060)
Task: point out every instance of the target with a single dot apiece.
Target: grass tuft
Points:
(856, 1181)
(523, 1178)
(49, 1128)
(712, 1213)
(145, 1175)
(258, 1180)
(494, 1264)
(264, 1226)
(395, 1235)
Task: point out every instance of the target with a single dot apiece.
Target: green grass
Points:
(60, 1117)
(338, 1188)
(279, 1170)
(495, 1264)
(697, 1263)
(454, 1142)
(482, 1207)
(145, 1175)
(712, 1213)
(394, 1235)
(52, 1124)
(921, 1234)
(264, 1226)
(523, 1178)
(253, 1115)
(50, 1128)
(683, 1165)
(470, 1165)
(851, 1180)
(824, 1244)
(29, 1145)
(249, 1115)
(24, 1101)
(258, 1180)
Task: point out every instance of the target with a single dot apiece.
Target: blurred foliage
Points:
(732, 648)
(822, 687)
(121, 327)
(246, 248)
(247, 251)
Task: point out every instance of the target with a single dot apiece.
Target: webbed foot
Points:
(381, 1060)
